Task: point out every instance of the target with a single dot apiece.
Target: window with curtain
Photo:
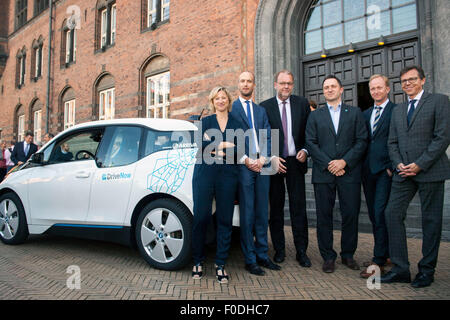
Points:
(106, 104)
(158, 90)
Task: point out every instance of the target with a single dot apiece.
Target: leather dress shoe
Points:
(303, 260)
(268, 264)
(351, 263)
(392, 277)
(366, 274)
(328, 266)
(254, 269)
(279, 256)
(422, 280)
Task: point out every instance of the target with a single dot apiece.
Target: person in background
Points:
(23, 150)
(312, 105)
(2, 159)
(47, 137)
(8, 152)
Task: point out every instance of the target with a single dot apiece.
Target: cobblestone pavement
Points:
(38, 270)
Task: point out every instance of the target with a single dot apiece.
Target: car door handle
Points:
(82, 174)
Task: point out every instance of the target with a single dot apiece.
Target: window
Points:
(20, 68)
(21, 128)
(162, 140)
(71, 45)
(37, 59)
(69, 114)
(336, 23)
(120, 146)
(39, 6)
(107, 24)
(157, 11)
(78, 147)
(106, 104)
(37, 126)
(21, 13)
(158, 89)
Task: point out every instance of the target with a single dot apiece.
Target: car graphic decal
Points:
(170, 170)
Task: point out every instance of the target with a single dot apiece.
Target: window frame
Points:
(21, 16)
(70, 36)
(20, 127)
(154, 13)
(37, 127)
(102, 106)
(319, 5)
(69, 113)
(165, 104)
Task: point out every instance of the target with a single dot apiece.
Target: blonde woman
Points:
(218, 180)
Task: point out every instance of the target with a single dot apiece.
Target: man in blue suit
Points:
(253, 184)
(377, 169)
(23, 150)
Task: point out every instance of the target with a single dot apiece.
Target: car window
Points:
(120, 146)
(166, 140)
(78, 147)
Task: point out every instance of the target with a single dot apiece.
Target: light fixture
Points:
(350, 48)
(381, 41)
(323, 54)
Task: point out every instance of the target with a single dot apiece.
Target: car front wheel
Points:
(163, 234)
(13, 224)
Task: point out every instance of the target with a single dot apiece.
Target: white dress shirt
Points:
(335, 115)
(244, 106)
(417, 98)
(291, 143)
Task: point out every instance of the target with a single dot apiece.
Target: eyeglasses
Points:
(410, 80)
(285, 84)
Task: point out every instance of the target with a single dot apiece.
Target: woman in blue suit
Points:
(215, 177)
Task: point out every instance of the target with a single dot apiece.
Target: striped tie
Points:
(377, 117)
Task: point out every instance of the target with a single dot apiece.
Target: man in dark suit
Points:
(418, 138)
(377, 170)
(23, 150)
(288, 114)
(253, 184)
(336, 139)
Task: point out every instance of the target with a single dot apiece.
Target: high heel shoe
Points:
(222, 277)
(197, 271)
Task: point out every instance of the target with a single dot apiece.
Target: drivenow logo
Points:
(116, 176)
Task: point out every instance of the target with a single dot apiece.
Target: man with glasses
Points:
(419, 135)
(288, 114)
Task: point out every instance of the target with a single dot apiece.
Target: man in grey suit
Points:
(419, 135)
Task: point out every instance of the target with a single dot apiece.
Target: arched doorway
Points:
(295, 34)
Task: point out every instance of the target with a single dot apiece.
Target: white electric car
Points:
(124, 180)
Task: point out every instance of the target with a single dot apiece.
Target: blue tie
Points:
(27, 148)
(411, 110)
(250, 124)
(249, 115)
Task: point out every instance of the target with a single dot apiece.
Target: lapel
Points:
(419, 106)
(342, 118)
(295, 114)
(237, 106)
(382, 118)
(327, 116)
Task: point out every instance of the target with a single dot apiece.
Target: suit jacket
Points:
(425, 140)
(377, 155)
(18, 153)
(324, 145)
(261, 125)
(299, 115)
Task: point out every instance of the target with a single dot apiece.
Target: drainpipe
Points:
(49, 63)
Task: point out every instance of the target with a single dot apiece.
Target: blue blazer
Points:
(261, 123)
(19, 155)
(377, 155)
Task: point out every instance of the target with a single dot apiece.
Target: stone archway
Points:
(278, 42)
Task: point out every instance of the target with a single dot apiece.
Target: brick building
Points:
(160, 58)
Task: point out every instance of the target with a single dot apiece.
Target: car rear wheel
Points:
(163, 234)
(13, 224)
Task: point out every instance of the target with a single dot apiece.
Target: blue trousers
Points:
(219, 181)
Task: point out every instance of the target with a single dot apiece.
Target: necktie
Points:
(285, 130)
(377, 117)
(27, 148)
(411, 110)
(250, 124)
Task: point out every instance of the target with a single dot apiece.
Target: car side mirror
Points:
(37, 158)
